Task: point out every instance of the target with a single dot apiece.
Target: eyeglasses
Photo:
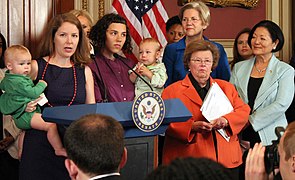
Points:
(199, 61)
(193, 19)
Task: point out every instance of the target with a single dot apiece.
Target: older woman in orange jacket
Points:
(198, 137)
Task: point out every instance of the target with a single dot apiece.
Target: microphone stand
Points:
(118, 57)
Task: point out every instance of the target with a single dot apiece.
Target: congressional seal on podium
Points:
(148, 111)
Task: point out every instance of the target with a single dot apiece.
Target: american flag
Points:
(145, 18)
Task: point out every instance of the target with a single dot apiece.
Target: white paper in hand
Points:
(42, 101)
(215, 105)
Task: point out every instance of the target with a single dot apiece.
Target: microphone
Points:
(118, 57)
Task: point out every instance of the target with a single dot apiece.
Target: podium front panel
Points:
(141, 157)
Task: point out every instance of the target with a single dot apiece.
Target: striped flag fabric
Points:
(145, 18)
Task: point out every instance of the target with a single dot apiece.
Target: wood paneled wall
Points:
(63, 6)
(23, 21)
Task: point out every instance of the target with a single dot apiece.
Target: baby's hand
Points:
(43, 82)
(145, 72)
(139, 66)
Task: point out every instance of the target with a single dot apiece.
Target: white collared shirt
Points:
(104, 175)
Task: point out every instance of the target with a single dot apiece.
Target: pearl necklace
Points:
(75, 82)
(260, 70)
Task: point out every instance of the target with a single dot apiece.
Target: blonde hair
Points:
(11, 52)
(83, 13)
(151, 40)
(199, 6)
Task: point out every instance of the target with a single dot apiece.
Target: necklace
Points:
(259, 70)
(75, 81)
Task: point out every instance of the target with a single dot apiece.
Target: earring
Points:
(274, 48)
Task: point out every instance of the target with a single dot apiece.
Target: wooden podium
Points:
(141, 146)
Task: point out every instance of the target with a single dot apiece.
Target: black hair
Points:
(4, 47)
(274, 31)
(172, 21)
(98, 32)
(190, 169)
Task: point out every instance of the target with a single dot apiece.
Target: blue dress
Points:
(38, 159)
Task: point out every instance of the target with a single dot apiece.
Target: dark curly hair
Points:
(191, 169)
(98, 32)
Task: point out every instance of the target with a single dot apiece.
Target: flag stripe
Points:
(152, 23)
(149, 26)
(162, 10)
(160, 20)
(133, 30)
(160, 34)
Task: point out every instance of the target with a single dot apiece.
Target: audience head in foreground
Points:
(95, 147)
(287, 153)
(190, 169)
